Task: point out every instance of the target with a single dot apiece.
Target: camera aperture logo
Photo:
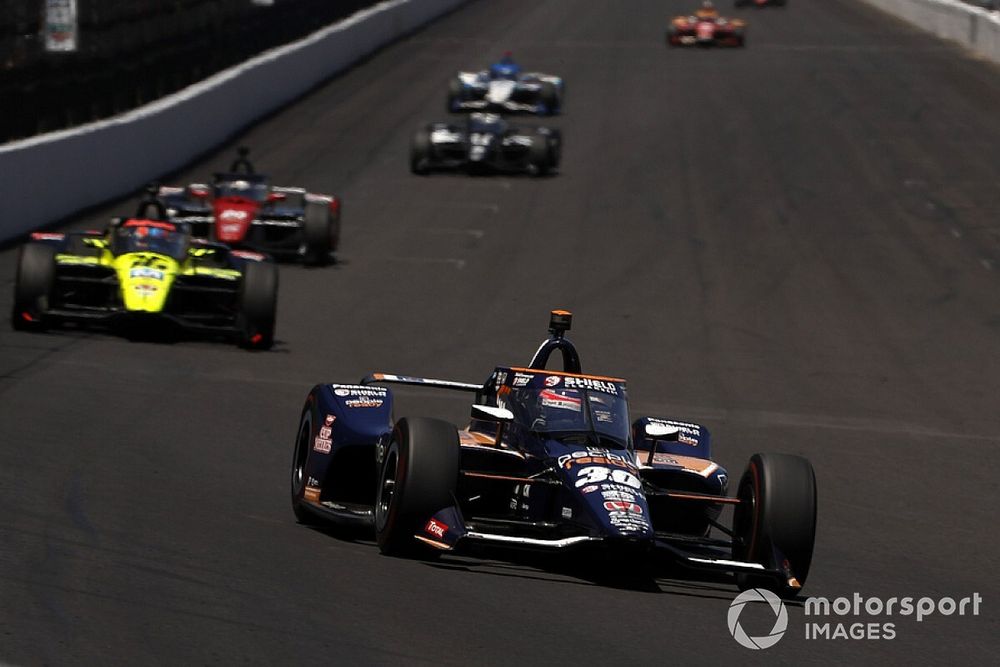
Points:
(780, 618)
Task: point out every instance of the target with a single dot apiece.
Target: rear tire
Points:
(543, 155)
(36, 276)
(418, 476)
(318, 233)
(258, 305)
(775, 522)
(420, 152)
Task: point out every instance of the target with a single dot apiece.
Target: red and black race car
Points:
(243, 210)
(706, 28)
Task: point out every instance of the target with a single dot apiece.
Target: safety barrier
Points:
(974, 27)
(49, 177)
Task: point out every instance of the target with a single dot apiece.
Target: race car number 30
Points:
(598, 474)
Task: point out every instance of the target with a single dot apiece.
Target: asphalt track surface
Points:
(796, 244)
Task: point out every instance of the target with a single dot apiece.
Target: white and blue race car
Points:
(504, 87)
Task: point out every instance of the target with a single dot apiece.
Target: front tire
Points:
(258, 305)
(420, 152)
(36, 275)
(318, 231)
(303, 443)
(775, 521)
(544, 153)
(418, 477)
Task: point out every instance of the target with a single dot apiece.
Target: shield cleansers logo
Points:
(773, 602)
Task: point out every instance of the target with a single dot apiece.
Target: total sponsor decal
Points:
(321, 444)
(436, 528)
(146, 289)
(589, 383)
(594, 457)
(552, 380)
(329, 420)
(590, 489)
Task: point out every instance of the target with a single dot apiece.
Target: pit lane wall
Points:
(974, 27)
(48, 177)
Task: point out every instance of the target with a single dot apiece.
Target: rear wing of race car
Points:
(421, 382)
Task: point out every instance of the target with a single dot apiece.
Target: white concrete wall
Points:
(48, 177)
(974, 27)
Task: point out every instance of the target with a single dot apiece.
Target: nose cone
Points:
(500, 91)
(233, 216)
(145, 280)
(607, 485)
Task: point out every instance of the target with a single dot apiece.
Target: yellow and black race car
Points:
(146, 275)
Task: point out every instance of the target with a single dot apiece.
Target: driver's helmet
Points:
(707, 11)
(240, 185)
(559, 409)
(147, 238)
(505, 68)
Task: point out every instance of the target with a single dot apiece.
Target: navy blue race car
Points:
(551, 461)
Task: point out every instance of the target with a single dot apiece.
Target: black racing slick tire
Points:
(420, 152)
(303, 443)
(740, 37)
(36, 276)
(548, 96)
(775, 521)
(543, 154)
(418, 476)
(455, 95)
(318, 233)
(258, 305)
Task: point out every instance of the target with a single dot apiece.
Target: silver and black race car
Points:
(504, 87)
(485, 142)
